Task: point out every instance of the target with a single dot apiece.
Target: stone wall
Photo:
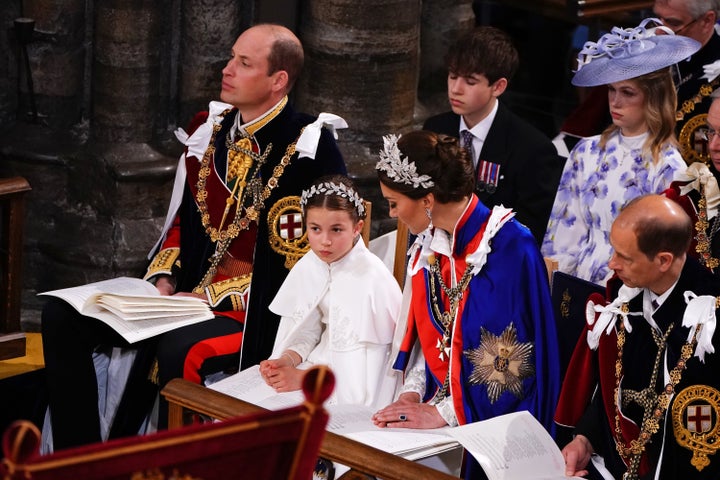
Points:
(112, 79)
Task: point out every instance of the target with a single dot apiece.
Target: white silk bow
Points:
(700, 310)
(609, 314)
(698, 174)
(198, 142)
(498, 217)
(307, 144)
(712, 70)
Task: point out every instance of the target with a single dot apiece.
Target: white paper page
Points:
(248, 385)
(162, 302)
(283, 400)
(79, 296)
(426, 452)
(355, 422)
(130, 331)
(142, 329)
(512, 447)
(145, 314)
(402, 441)
(345, 419)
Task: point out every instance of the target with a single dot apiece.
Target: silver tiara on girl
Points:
(338, 189)
(398, 168)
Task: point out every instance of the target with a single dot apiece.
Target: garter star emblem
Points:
(286, 233)
(695, 414)
(501, 363)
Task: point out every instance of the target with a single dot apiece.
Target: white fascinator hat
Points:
(626, 53)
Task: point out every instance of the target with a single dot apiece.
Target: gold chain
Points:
(223, 238)
(689, 105)
(447, 318)
(653, 408)
(703, 239)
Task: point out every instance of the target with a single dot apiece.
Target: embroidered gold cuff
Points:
(163, 262)
(234, 287)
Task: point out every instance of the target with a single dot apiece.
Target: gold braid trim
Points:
(688, 106)
(163, 262)
(235, 287)
(154, 373)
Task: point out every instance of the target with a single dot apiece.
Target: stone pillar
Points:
(361, 62)
(126, 69)
(209, 30)
(442, 22)
(130, 172)
(37, 151)
(57, 60)
(8, 65)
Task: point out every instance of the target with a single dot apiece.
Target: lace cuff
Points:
(414, 381)
(447, 411)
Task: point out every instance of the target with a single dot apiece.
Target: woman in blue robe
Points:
(479, 338)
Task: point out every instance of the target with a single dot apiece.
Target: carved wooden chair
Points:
(401, 248)
(12, 219)
(259, 445)
(365, 232)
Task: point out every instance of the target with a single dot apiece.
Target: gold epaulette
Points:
(234, 287)
(163, 262)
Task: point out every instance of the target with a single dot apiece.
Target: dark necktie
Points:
(655, 304)
(467, 143)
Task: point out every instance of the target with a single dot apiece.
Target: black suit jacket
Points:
(530, 167)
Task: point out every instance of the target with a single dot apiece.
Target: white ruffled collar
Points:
(442, 242)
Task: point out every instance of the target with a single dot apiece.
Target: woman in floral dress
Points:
(635, 155)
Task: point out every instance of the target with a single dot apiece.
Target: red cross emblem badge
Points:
(291, 226)
(699, 418)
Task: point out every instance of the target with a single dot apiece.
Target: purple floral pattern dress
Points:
(595, 184)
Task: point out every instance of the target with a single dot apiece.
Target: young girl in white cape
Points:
(338, 305)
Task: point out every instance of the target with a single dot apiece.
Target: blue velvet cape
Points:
(507, 304)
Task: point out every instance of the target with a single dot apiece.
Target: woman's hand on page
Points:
(409, 412)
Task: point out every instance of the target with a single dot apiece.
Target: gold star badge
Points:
(501, 363)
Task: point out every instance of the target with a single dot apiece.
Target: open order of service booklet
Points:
(512, 447)
(133, 307)
(508, 447)
(352, 421)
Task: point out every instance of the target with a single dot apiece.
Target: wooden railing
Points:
(187, 399)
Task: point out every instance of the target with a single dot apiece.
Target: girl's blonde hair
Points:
(660, 106)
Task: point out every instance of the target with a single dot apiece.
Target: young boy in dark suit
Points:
(515, 164)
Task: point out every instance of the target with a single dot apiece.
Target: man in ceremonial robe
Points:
(642, 390)
(228, 238)
(697, 192)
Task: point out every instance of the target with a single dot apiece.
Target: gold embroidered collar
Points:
(251, 128)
